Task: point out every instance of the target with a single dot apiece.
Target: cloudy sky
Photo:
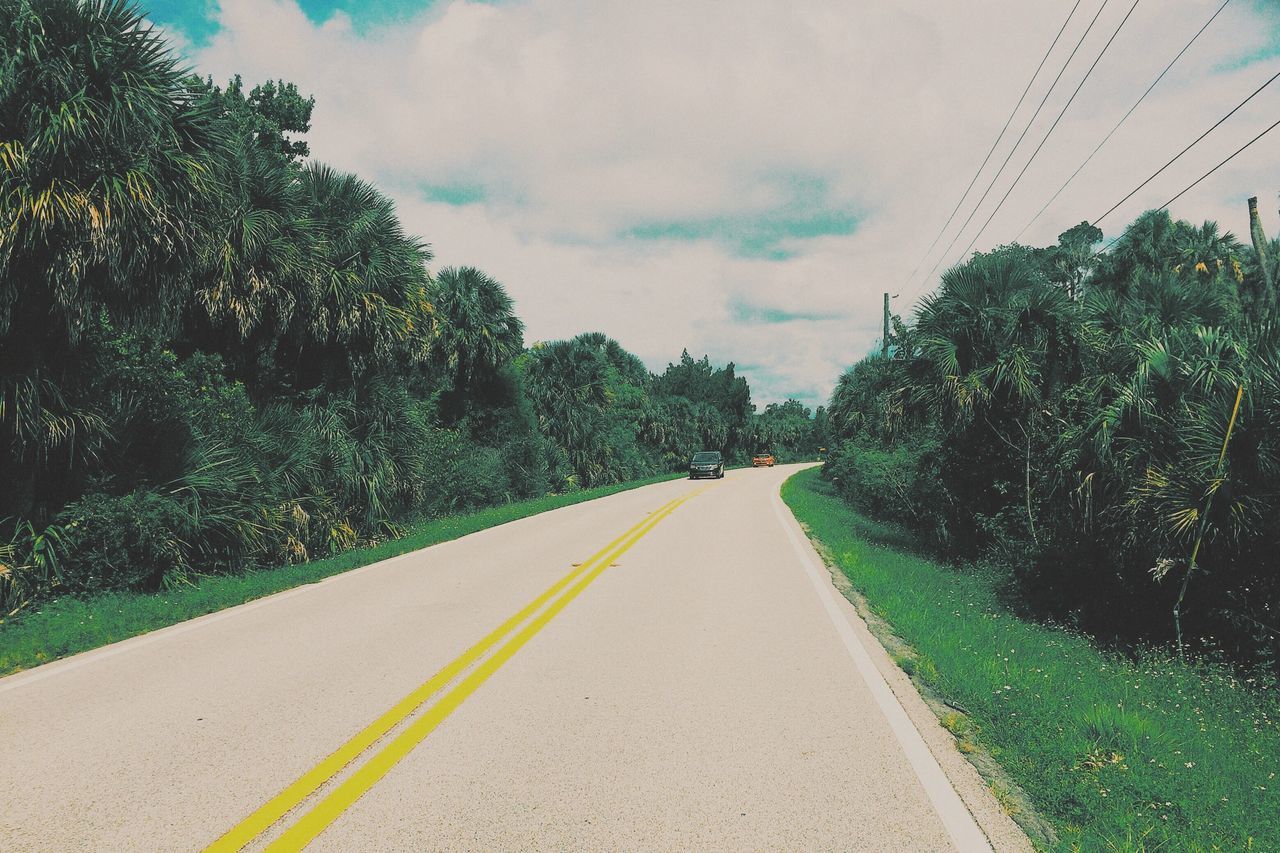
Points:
(746, 178)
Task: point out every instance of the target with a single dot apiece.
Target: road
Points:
(684, 676)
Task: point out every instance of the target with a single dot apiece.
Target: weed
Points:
(956, 723)
(1004, 796)
(905, 662)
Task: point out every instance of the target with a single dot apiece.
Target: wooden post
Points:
(884, 341)
(1260, 245)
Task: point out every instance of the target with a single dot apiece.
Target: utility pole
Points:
(884, 341)
(1259, 241)
(1259, 237)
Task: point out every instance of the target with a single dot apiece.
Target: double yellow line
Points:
(333, 804)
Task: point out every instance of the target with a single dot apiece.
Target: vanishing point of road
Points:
(666, 668)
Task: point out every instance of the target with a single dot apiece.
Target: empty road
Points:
(666, 668)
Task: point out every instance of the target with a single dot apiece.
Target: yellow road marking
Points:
(341, 798)
(255, 824)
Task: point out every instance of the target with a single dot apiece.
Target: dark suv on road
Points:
(708, 463)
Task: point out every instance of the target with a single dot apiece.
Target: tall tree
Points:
(478, 329)
(370, 308)
(1073, 259)
(263, 257)
(109, 165)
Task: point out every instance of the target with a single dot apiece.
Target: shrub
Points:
(525, 460)
(29, 562)
(134, 542)
(898, 484)
(480, 479)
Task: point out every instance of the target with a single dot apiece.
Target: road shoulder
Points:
(977, 796)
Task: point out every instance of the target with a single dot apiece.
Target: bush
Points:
(479, 478)
(898, 484)
(29, 562)
(879, 481)
(525, 460)
(133, 542)
(458, 475)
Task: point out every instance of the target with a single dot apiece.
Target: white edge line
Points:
(955, 815)
(57, 667)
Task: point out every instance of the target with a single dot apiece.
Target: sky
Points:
(745, 179)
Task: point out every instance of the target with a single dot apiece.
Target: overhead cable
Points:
(1122, 120)
(994, 144)
(1049, 133)
(1197, 181)
(1009, 156)
(1175, 157)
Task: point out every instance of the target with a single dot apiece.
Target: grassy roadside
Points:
(1118, 753)
(69, 625)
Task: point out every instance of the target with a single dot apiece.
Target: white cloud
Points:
(580, 122)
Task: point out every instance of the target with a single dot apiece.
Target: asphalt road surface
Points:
(666, 668)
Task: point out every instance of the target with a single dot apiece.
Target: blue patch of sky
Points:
(1262, 55)
(744, 312)
(456, 194)
(198, 19)
(806, 212)
(1265, 29)
(195, 19)
(364, 12)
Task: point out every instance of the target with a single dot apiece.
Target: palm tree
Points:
(1204, 251)
(109, 160)
(1147, 243)
(867, 402)
(994, 329)
(1261, 298)
(1185, 445)
(369, 306)
(107, 164)
(263, 256)
(1155, 242)
(996, 343)
(478, 329)
(569, 385)
(629, 367)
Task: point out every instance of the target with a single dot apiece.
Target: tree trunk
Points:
(1259, 237)
(1204, 524)
(1031, 521)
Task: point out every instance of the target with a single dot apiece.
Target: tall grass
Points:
(1140, 752)
(71, 624)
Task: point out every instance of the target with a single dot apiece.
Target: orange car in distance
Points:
(761, 460)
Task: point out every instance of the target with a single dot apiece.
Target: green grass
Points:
(70, 624)
(1146, 752)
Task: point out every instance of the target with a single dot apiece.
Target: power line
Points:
(1009, 156)
(1052, 126)
(1185, 150)
(1197, 181)
(1122, 120)
(992, 150)
(1219, 166)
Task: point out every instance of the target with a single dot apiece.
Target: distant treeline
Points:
(1105, 426)
(217, 354)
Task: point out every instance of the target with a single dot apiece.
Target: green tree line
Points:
(1103, 425)
(218, 354)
